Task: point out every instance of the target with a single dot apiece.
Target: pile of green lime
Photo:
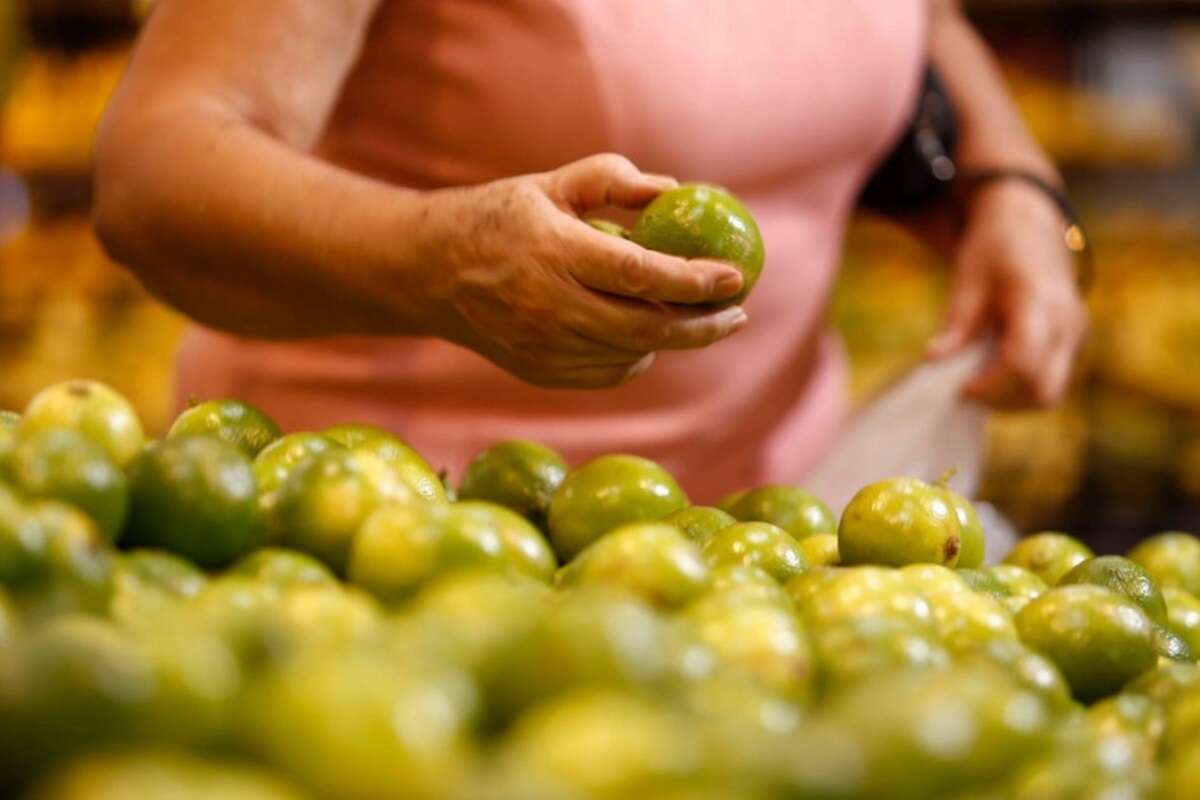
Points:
(235, 612)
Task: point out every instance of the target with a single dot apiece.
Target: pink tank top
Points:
(787, 103)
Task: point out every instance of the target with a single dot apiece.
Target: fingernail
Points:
(662, 181)
(728, 282)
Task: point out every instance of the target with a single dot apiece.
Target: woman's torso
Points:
(786, 103)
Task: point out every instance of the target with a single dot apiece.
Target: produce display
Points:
(233, 612)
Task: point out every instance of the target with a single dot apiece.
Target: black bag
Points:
(918, 172)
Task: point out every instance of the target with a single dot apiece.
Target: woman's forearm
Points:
(248, 235)
(992, 132)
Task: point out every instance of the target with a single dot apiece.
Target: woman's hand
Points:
(1015, 274)
(516, 275)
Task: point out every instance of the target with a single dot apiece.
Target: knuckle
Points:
(612, 162)
(633, 273)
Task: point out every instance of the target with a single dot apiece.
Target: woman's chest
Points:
(744, 92)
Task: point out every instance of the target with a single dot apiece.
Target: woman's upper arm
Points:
(277, 64)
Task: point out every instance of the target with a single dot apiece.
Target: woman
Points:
(377, 203)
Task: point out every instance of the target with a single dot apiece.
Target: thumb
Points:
(965, 314)
(605, 180)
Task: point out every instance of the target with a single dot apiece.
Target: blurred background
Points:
(1111, 88)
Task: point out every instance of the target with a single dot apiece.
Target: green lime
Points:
(22, 541)
(974, 542)
(900, 521)
(763, 641)
(967, 621)
(148, 584)
(1019, 584)
(1166, 682)
(526, 550)
(163, 571)
(195, 496)
(1098, 638)
(236, 422)
(606, 492)
(1028, 667)
(757, 544)
(984, 582)
(517, 474)
(77, 566)
(62, 464)
(737, 583)
(93, 409)
(821, 550)
(1172, 559)
(1181, 774)
(1169, 645)
(89, 684)
(357, 725)
(795, 510)
(931, 579)
(1049, 555)
(859, 592)
(1124, 577)
(699, 523)
(604, 226)
(1127, 713)
(652, 560)
(327, 498)
(700, 221)
(854, 650)
(275, 462)
(9, 420)
(397, 549)
(165, 775)
(656, 745)
(284, 568)
(1183, 615)
(1183, 721)
(407, 462)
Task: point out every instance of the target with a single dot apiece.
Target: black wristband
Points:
(1074, 237)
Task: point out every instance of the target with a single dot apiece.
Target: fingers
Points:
(1032, 368)
(605, 180)
(586, 376)
(965, 315)
(616, 266)
(640, 328)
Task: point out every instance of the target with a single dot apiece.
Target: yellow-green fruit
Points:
(412, 468)
(701, 221)
(571, 742)
(652, 560)
(1181, 774)
(283, 568)
(195, 496)
(516, 474)
(1124, 577)
(860, 592)
(1027, 667)
(763, 641)
(165, 775)
(606, 492)
(974, 542)
(757, 544)
(851, 650)
(1183, 615)
(1170, 646)
(736, 583)
(1049, 555)
(930, 579)
(95, 410)
(699, 523)
(397, 549)
(1099, 639)
(236, 422)
(525, 549)
(355, 725)
(821, 550)
(967, 621)
(327, 498)
(1165, 683)
(899, 521)
(795, 510)
(63, 464)
(1018, 583)
(275, 463)
(1172, 559)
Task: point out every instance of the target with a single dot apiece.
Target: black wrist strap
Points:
(1074, 237)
